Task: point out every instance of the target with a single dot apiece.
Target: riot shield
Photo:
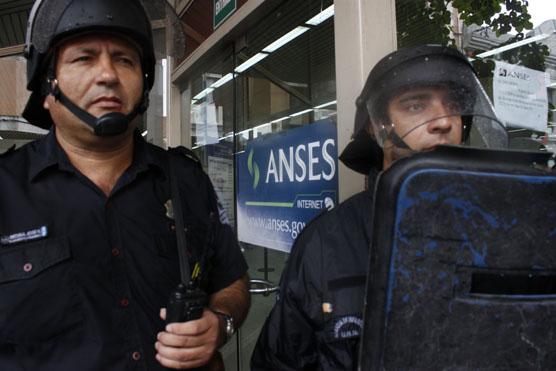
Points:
(462, 271)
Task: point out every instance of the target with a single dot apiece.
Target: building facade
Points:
(264, 92)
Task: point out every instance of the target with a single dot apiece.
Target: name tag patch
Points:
(34, 234)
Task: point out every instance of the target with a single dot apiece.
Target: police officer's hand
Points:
(188, 344)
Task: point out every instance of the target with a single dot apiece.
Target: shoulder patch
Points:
(186, 152)
(344, 327)
(10, 150)
(347, 327)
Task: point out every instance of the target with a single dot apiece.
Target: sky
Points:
(541, 10)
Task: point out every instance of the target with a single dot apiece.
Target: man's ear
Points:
(383, 134)
(46, 103)
(378, 131)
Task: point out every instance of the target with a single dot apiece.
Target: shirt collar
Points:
(46, 153)
(143, 156)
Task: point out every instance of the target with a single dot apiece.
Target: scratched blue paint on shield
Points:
(285, 179)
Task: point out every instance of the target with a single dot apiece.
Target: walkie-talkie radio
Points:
(187, 301)
(185, 304)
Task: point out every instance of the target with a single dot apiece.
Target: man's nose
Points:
(443, 119)
(107, 72)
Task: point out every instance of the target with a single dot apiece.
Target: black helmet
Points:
(52, 21)
(421, 66)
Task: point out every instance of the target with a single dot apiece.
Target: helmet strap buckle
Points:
(395, 139)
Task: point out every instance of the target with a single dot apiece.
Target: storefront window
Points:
(210, 99)
(505, 40)
(261, 116)
(286, 103)
(295, 77)
(277, 77)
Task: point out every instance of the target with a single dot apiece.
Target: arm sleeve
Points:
(287, 340)
(227, 264)
(223, 260)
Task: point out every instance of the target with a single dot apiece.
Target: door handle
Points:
(258, 286)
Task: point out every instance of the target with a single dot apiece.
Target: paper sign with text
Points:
(520, 96)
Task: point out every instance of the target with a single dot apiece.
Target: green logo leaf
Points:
(253, 169)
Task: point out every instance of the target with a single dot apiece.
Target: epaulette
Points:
(10, 150)
(187, 153)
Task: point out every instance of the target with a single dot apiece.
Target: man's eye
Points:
(415, 107)
(127, 61)
(82, 58)
(453, 107)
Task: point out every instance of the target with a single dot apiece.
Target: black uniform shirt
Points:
(82, 275)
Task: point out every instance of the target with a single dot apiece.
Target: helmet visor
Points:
(431, 102)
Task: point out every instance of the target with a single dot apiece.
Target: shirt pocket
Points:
(166, 269)
(196, 237)
(343, 308)
(38, 291)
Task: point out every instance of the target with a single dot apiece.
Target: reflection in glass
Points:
(282, 79)
(512, 45)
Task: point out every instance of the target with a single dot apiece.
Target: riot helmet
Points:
(53, 21)
(424, 88)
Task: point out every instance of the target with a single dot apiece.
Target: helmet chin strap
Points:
(110, 124)
(396, 140)
(399, 149)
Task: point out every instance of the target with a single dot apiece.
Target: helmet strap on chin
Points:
(109, 124)
(398, 141)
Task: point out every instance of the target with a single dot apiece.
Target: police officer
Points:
(88, 253)
(414, 100)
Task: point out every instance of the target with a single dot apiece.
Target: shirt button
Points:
(172, 227)
(124, 302)
(115, 252)
(136, 356)
(27, 267)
